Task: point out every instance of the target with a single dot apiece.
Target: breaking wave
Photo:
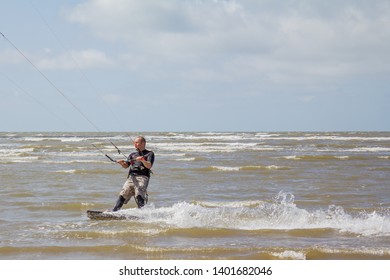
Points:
(280, 214)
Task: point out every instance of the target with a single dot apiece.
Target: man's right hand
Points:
(122, 163)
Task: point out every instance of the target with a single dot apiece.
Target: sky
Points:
(195, 65)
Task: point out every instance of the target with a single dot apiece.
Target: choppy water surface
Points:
(212, 196)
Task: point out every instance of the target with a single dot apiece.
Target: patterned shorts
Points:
(134, 186)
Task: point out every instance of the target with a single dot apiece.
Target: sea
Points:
(212, 196)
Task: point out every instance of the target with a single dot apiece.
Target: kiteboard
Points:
(106, 215)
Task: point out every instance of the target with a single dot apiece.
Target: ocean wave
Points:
(206, 136)
(76, 161)
(186, 159)
(139, 250)
(329, 138)
(326, 253)
(281, 214)
(70, 171)
(15, 151)
(241, 168)
(369, 149)
(324, 157)
(25, 159)
(255, 136)
(384, 157)
(209, 147)
(86, 171)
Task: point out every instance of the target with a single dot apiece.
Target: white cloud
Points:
(295, 42)
(10, 57)
(307, 98)
(112, 99)
(74, 59)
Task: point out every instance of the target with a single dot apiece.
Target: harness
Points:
(138, 169)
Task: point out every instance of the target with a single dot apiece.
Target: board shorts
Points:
(135, 186)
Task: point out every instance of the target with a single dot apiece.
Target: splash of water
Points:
(280, 214)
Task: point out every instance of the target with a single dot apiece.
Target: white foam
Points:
(328, 137)
(291, 255)
(75, 161)
(282, 214)
(185, 159)
(200, 147)
(369, 149)
(342, 157)
(15, 151)
(291, 157)
(249, 167)
(274, 167)
(18, 160)
(226, 168)
(17, 155)
(70, 171)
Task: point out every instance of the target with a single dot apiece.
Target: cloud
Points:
(10, 57)
(112, 99)
(74, 59)
(307, 98)
(297, 42)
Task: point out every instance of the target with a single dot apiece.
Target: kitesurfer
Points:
(140, 163)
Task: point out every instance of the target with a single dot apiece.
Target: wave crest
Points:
(279, 214)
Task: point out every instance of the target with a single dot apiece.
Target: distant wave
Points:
(241, 168)
(327, 157)
(86, 171)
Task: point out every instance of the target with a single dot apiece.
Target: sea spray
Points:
(279, 214)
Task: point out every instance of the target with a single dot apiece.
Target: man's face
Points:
(139, 144)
